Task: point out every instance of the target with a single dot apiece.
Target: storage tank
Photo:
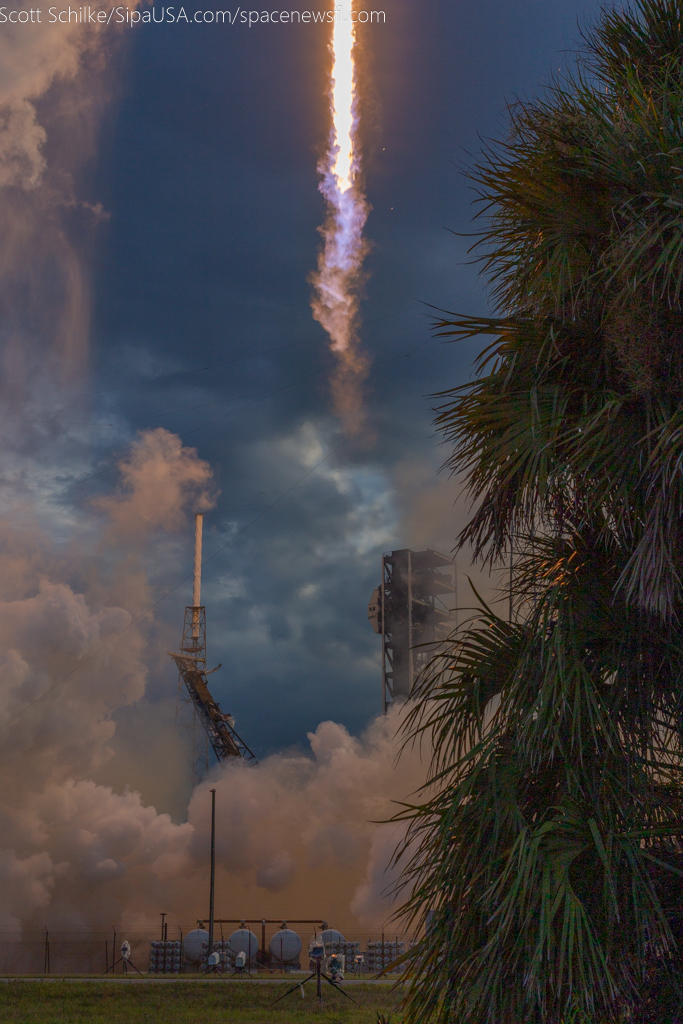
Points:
(244, 941)
(285, 946)
(193, 944)
(332, 937)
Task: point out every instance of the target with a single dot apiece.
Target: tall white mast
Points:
(197, 581)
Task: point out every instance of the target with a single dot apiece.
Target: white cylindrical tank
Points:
(244, 941)
(192, 944)
(285, 946)
(331, 935)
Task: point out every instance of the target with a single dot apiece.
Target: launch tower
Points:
(198, 712)
(412, 610)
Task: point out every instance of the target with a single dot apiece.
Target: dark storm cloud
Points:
(207, 170)
(185, 220)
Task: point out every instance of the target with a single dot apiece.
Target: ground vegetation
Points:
(70, 1001)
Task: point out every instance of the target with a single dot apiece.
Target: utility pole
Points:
(213, 867)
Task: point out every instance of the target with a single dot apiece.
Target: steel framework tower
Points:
(197, 712)
(413, 611)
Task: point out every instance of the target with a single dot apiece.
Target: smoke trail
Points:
(54, 85)
(335, 301)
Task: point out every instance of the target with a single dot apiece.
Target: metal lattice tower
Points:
(197, 713)
(193, 644)
(413, 611)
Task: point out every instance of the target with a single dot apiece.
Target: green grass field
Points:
(206, 1002)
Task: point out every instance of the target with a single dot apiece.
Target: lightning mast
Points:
(197, 710)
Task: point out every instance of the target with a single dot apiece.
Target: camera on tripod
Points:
(316, 950)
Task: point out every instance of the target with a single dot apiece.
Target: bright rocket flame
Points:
(343, 102)
(335, 302)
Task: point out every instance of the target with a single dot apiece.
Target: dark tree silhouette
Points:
(548, 848)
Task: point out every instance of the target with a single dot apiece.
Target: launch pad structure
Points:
(413, 610)
(197, 712)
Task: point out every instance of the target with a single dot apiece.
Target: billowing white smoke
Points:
(298, 836)
(68, 660)
(295, 836)
(31, 58)
(52, 86)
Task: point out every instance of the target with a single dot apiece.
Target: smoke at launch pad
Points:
(74, 591)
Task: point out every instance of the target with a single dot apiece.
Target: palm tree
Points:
(545, 861)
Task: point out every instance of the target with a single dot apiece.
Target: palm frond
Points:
(544, 860)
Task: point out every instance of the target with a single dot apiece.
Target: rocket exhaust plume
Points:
(335, 299)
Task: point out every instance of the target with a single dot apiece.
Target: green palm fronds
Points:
(546, 857)
(558, 770)
(585, 253)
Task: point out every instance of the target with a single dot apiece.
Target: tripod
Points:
(357, 965)
(241, 972)
(213, 969)
(213, 965)
(125, 961)
(242, 965)
(318, 974)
